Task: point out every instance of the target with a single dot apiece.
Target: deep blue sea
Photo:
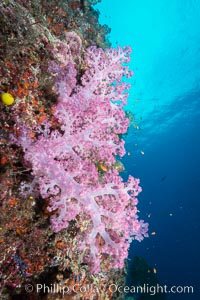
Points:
(164, 139)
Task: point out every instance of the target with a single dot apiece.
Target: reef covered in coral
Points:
(67, 217)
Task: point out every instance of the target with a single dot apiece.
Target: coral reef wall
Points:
(67, 218)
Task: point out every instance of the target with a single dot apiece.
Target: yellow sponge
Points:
(7, 99)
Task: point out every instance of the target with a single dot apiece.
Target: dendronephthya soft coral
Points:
(64, 161)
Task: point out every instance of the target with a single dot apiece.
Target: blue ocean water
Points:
(164, 143)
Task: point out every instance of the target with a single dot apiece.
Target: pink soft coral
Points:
(65, 162)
